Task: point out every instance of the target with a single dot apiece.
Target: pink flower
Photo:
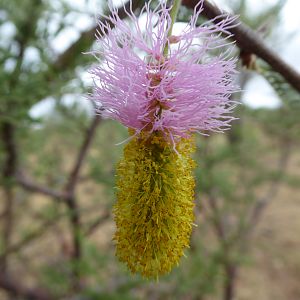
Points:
(179, 92)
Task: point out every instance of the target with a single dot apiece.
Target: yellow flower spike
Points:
(155, 200)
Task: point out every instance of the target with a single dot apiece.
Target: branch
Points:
(72, 203)
(251, 42)
(217, 218)
(99, 221)
(87, 38)
(244, 232)
(68, 195)
(230, 266)
(29, 238)
(73, 178)
(10, 164)
(47, 224)
(30, 186)
(261, 203)
(16, 289)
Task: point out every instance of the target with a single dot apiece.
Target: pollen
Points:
(155, 201)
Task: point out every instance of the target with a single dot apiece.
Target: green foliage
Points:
(56, 278)
(234, 169)
(202, 273)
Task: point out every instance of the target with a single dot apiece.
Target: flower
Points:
(154, 211)
(163, 88)
(181, 91)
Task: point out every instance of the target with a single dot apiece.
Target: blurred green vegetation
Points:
(238, 173)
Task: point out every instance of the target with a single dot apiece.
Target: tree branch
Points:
(17, 246)
(73, 178)
(85, 41)
(94, 225)
(230, 266)
(68, 195)
(217, 218)
(31, 186)
(250, 41)
(261, 203)
(71, 200)
(16, 289)
(8, 133)
(47, 224)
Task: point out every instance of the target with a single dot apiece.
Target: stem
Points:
(75, 224)
(250, 41)
(75, 218)
(17, 290)
(173, 15)
(8, 134)
(230, 280)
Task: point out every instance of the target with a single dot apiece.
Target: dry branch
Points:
(251, 42)
(17, 289)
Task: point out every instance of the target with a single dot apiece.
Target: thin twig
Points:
(98, 222)
(8, 131)
(230, 266)
(274, 187)
(86, 39)
(74, 174)
(29, 238)
(251, 42)
(72, 203)
(17, 289)
(46, 224)
(31, 186)
(217, 218)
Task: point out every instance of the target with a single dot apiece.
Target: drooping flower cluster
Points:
(163, 88)
(154, 213)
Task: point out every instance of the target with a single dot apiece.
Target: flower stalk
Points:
(173, 14)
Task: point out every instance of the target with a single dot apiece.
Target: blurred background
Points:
(58, 163)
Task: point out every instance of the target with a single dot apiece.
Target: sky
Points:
(258, 92)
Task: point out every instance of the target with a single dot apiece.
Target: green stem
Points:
(173, 15)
